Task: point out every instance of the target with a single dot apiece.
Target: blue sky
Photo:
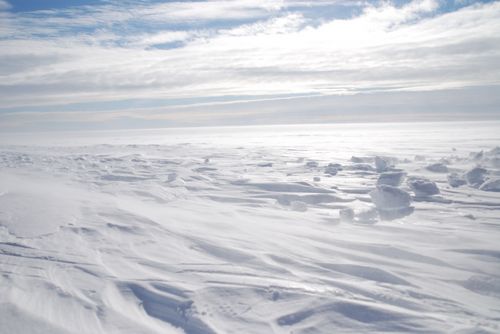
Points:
(111, 64)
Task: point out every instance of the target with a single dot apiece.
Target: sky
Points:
(108, 64)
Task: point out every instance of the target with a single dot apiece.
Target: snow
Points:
(232, 230)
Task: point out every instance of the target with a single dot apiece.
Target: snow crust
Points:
(303, 229)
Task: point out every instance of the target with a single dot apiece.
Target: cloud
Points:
(375, 107)
(160, 38)
(387, 14)
(268, 47)
(4, 5)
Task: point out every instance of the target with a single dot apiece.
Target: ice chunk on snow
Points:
(391, 202)
(455, 180)
(316, 179)
(491, 185)
(336, 166)
(476, 176)
(437, 168)
(381, 164)
(391, 178)
(332, 169)
(390, 198)
(422, 187)
(312, 164)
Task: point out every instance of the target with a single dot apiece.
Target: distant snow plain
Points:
(348, 228)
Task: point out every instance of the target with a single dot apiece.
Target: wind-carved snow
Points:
(247, 231)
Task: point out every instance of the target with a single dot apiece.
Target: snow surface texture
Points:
(252, 230)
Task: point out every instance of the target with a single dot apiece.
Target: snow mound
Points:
(391, 178)
(422, 187)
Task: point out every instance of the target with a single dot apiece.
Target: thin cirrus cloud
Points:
(157, 51)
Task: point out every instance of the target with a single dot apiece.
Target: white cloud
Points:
(410, 48)
(387, 14)
(210, 10)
